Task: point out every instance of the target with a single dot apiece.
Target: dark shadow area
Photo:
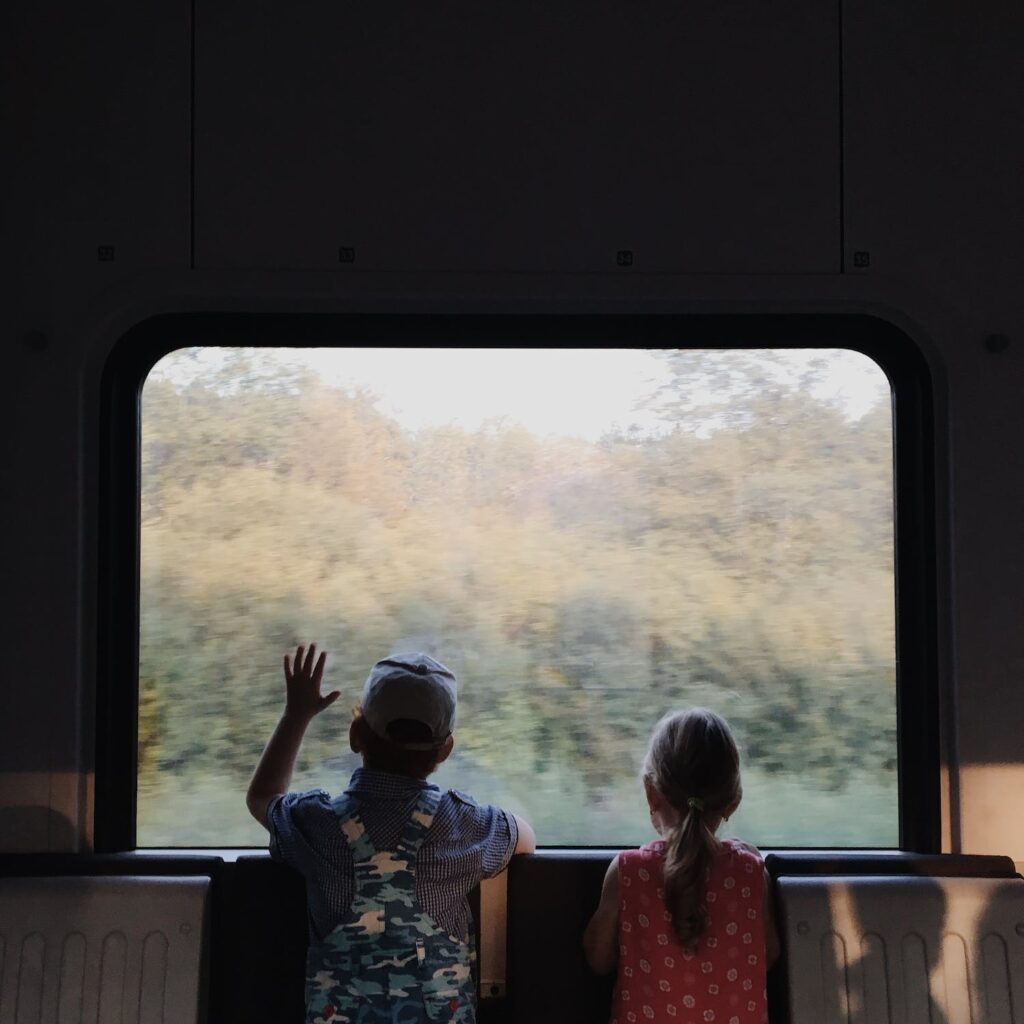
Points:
(550, 901)
(262, 944)
(890, 979)
(27, 828)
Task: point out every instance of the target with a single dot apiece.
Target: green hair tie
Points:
(696, 802)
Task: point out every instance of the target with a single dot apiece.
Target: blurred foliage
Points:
(742, 558)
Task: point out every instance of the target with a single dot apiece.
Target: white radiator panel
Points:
(894, 950)
(101, 950)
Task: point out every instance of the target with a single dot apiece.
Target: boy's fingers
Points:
(319, 671)
(309, 659)
(299, 651)
(326, 702)
(287, 669)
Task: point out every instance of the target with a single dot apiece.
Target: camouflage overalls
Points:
(388, 960)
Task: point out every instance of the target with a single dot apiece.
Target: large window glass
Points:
(589, 538)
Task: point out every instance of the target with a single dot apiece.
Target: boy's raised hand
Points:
(303, 684)
(303, 703)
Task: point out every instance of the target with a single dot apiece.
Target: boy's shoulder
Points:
(464, 805)
(463, 798)
(310, 796)
(299, 805)
(304, 798)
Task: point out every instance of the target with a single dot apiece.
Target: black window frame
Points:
(900, 358)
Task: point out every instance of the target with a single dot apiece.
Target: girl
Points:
(687, 919)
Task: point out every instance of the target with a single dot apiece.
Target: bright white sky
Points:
(569, 392)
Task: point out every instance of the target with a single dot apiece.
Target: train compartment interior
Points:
(624, 356)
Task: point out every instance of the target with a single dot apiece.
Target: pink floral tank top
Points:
(723, 980)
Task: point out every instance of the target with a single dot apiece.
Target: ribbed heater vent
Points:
(101, 950)
(894, 950)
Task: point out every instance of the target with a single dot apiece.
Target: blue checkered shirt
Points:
(466, 842)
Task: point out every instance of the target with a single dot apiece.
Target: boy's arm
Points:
(601, 939)
(527, 841)
(273, 773)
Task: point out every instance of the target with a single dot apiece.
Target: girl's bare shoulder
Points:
(742, 850)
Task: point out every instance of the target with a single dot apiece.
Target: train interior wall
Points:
(191, 155)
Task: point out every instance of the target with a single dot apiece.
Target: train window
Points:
(589, 536)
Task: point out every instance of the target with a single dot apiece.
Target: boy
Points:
(388, 863)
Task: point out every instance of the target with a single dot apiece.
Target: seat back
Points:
(891, 948)
(102, 948)
(262, 944)
(551, 897)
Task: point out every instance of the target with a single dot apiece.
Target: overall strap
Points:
(354, 831)
(419, 823)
